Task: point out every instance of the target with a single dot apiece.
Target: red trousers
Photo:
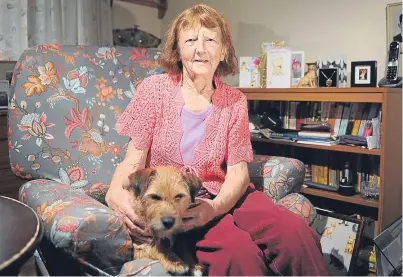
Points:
(258, 238)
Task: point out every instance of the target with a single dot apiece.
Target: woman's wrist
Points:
(115, 187)
(218, 208)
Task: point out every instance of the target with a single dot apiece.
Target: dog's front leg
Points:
(183, 250)
(169, 261)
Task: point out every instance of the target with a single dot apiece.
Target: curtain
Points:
(27, 23)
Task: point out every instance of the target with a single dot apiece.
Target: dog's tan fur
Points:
(160, 193)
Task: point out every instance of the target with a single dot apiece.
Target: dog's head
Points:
(165, 194)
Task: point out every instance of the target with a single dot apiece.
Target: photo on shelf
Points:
(394, 26)
(364, 74)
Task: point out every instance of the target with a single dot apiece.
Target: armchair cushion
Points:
(78, 224)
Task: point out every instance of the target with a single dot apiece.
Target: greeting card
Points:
(249, 76)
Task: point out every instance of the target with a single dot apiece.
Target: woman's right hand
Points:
(119, 200)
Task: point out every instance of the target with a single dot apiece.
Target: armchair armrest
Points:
(79, 224)
(276, 176)
(299, 205)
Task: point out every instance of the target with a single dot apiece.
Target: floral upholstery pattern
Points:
(280, 178)
(64, 104)
(64, 101)
(276, 176)
(77, 222)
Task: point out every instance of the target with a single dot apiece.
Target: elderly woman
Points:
(190, 119)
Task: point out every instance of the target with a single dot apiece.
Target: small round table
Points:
(20, 233)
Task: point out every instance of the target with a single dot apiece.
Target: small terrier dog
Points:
(161, 197)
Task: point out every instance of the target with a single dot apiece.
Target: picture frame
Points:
(328, 77)
(364, 74)
(394, 26)
(297, 67)
(335, 61)
(341, 238)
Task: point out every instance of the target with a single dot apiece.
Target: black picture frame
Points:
(364, 79)
(322, 220)
(328, 77)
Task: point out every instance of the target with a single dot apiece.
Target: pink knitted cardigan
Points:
(153, 121)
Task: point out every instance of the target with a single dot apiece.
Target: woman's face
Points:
(201, 50)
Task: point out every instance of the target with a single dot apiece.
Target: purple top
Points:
(193, 126)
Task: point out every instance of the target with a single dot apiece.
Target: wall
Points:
(356, 29)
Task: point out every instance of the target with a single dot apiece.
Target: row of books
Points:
(344, 118)
(327, 169)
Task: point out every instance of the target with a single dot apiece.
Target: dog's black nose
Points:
(168, 222)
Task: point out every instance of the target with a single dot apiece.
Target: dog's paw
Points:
(197, 270)
(176, 268)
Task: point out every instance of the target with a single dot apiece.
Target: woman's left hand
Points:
(199, 214)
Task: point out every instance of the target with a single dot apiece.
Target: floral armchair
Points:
(64, 101)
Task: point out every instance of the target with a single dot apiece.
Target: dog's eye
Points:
(179, 196)
(155, 197)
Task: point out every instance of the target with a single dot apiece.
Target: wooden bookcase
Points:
(389, 205)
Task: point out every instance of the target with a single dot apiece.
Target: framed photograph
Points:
(364, 74)
(394, 23)
(297, 67)
(328, 77)
(341, 239)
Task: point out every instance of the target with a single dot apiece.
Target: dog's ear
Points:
(139, 180)
(194, 183)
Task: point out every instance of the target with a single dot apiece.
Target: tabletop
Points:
(20, 233)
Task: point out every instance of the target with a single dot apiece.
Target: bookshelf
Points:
(389, 205)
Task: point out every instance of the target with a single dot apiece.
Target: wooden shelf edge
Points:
(314, 90)
(321, 97)
(356, 199)
(367, 95)
(339, 148)
(162, 7)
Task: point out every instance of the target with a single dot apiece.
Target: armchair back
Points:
(63, 109)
